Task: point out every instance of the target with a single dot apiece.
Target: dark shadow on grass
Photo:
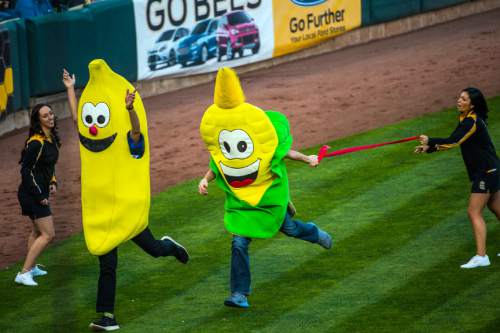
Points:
(491, 327)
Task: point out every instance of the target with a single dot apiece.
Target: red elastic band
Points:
(323, 151)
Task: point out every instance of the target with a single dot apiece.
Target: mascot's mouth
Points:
(241, 177)
(97, 145)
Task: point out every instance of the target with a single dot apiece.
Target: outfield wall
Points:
(379, 11)
(39, 48)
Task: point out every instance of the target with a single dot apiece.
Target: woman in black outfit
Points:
(481, 162)
(38, 160)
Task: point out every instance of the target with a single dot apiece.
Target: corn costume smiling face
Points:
(115, 185)
(247, 147)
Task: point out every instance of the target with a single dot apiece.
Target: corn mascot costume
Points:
(115, 186)
(247, 146)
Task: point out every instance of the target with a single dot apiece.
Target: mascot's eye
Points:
(235, 144)
(242, 146)
(102, 114)
(95, 115)
(88, 114)
(227, 147)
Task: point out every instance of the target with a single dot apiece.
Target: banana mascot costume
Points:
(115, 186)
(247, 146)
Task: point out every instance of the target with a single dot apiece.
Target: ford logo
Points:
(308, 3)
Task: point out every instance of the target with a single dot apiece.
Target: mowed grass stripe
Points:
(425, 293)
(475, 308)
(349, 295)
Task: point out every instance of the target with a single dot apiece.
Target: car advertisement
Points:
(300, 24)
(185, 37)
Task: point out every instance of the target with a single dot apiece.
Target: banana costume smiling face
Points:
(247, 153)
(115, 185)
(96, 118)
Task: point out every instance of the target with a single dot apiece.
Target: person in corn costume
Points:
(112, 129)
(247, 148)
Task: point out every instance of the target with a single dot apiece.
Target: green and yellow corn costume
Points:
(247, 147)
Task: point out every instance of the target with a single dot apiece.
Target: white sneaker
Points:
(25, 278)
(37, 271)
(477, 261)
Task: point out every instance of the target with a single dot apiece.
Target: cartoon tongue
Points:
(243, 183)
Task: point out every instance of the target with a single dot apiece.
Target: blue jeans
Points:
(240, 261)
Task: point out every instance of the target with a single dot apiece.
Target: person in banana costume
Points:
(247, 147)
(114, 152)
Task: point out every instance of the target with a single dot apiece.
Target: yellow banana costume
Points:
(247, 147)
(115, 185)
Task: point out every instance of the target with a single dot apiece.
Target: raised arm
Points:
(69, 83)
(312, 160)
(135, 132)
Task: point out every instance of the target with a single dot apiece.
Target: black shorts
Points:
(30, 207)
(488, 183)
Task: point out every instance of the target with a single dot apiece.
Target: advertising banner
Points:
(300, 24)
(185, 37)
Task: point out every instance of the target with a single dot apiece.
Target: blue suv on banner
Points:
(200, 45)
(307, 3)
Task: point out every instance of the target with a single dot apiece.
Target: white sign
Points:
(185, 37)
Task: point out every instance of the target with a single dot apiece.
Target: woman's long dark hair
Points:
(478, 101)
(36, 127)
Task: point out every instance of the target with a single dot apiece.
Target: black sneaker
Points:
(181, 253)
(104, 324)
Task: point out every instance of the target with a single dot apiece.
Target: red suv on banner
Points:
(237, 32)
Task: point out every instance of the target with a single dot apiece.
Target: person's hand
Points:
(424, 139)
(313, 160)
(44, 202)
(52, 189)
(421, 149)
(68, 80)
(129, 99)
(203, 186)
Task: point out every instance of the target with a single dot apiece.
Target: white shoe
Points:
(26, 279)
(477, 261)
(37, 271)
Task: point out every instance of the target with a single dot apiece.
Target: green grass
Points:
(400, 229)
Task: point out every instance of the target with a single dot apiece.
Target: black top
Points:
(478, 151)
(38, 166)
